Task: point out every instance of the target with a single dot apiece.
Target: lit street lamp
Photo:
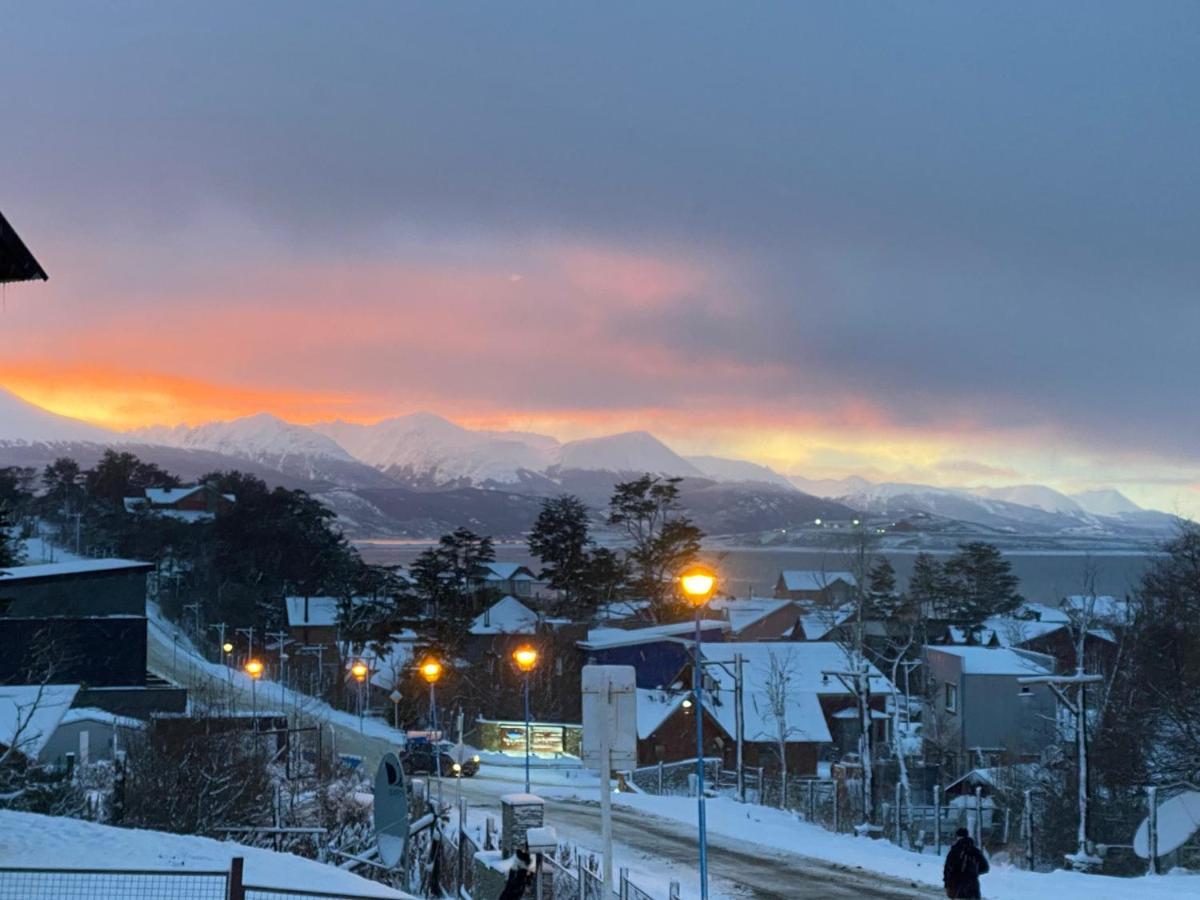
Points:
(254, 669)
(359, 671)
(697, 585)
(431, 671)
(526, 658)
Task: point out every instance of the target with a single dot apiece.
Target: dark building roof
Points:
(16, 262)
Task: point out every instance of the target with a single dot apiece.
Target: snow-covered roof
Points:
(978, 660)
(506, 571)
(506, 616)
(74, 567)
(813, 579)
(743, 613)
(169, 496)
(653, 708)
(817, 623)
(30, 713)
(1100, 607)
(92, 714)
(806, 662)
(603, 638)
(322, 612)
(803, 662)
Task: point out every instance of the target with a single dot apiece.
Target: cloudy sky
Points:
(954, 242)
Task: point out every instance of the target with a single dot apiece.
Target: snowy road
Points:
(647, 843)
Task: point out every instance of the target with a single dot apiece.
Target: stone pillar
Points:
(519, 813)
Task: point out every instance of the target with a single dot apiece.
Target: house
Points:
(88, 619)
(1051, 633)
(29, 716)
(976, 712)
(313, 621)
(500, 628)
(507, 578)
(193, 503)
(812, 703)
(16, 262)
(760, 618)
(90, 735)
(815, 585)
(657, 652)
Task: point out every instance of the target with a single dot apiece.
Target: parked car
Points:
(422, 757)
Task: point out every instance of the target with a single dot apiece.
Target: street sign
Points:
(391, 810)
(610, 705)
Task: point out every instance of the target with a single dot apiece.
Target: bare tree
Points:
(776, 692)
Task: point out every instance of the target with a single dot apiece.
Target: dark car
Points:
(420, 758)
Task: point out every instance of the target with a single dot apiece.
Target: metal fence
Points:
(111, 884)
(675, 779)
(147, 884)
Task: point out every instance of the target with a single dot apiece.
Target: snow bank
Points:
(27, 839)
(783, 831)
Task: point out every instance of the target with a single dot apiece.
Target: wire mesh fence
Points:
(112, 884)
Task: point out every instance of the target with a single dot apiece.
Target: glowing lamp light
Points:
(525, 657)
(687, 703)
(697, 585)
(359, 670)
(431, 670)
(254, 668)
(227, 647)
(457, 767)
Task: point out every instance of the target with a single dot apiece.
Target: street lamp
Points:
(431, 671)
(697, 584)
(227, 647)
(254, 668)
(359, 671)
(526, 658)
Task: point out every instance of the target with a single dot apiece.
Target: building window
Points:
(951, 697)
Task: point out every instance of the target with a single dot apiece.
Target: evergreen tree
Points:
(664, 540)
(560, 539)
(120, 475)
(882, 600)
(980, 584)
(928, 585)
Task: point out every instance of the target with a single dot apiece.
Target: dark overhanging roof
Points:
(16, 262)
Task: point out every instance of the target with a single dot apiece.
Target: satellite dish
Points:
(1178, 820)
(391, 810)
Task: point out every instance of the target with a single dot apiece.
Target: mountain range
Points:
(418, 474)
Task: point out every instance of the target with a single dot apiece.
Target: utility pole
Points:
(195, 608)
(1082, 859)
(220, 627)
(249, 632)
(280, 637)
(739, 713)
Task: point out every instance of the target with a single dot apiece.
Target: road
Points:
(648, 843)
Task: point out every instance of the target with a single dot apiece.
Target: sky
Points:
(941, 242)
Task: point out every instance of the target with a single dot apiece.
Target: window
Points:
(951, 697)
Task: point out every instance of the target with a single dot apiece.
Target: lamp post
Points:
(431, 671)
(359, 671)
(254, 669)
(226, 650)
(526, 658)
(697, 585)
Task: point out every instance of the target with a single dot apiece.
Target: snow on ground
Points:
(27, 839)
(783, 831)
(270, 694)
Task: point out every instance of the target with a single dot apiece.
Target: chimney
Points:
(487, 617)
(306, 609)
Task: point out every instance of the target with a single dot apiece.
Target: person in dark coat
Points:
(520, 873)
(964, 864)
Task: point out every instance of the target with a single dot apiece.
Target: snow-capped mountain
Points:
(424, 448)
(721, 469)
(1033, 495)
(291, 449)
(26, 423)
(262, 437)
(630, 451)
(1107, 502)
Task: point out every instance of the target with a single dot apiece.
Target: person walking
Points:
(964, 864)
